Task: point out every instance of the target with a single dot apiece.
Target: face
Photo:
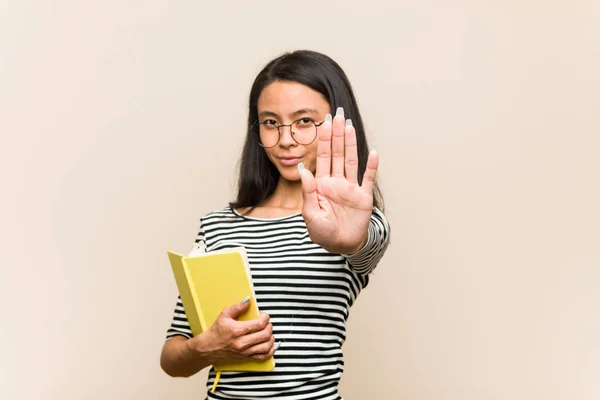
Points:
(283, 103)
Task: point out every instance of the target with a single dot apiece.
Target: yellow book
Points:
(211, 281)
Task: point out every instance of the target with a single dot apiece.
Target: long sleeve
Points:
(179, 324)
(366, 259)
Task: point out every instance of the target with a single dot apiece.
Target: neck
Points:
(288, 194)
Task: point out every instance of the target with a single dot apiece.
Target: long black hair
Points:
(258, 176)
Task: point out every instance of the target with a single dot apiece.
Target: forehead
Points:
(287, 97)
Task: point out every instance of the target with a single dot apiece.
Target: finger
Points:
(252, 326)
(337, 144)
(264, 357)
(370, 172)
(310, 200)
(254, 339)
(237, 309)
(324, 149)
(263, 350)
(351, 162)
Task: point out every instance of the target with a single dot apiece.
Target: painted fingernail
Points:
(246, 299)
(277, 345)
(374, 147)
(340, 112)
(348, 122)
(300, 167)
(328, 118)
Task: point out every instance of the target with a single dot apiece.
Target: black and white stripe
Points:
(307, 292)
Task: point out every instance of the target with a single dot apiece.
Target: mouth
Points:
(289, 160)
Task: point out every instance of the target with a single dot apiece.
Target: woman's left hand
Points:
(337, 210)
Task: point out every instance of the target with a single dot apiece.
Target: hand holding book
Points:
(230, 340)
(233, 335)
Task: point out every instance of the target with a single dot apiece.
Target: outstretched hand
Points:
(336, 209)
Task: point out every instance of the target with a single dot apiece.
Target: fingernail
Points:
(374, 147)
(328, 118)
(348, 122)
(277, 345)
(245, 300)
(300, 167)
(340, 112)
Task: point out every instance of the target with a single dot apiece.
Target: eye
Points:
(305, 121)
(269, 122)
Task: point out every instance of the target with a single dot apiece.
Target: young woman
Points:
(308, 213)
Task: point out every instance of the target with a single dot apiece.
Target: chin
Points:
(291, 176)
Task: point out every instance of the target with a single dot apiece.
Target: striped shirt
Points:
(307, 293)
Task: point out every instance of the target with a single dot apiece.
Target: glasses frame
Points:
(279, 126)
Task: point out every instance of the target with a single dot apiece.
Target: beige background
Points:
(121, 125)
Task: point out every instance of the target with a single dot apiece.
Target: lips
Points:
(289, 160)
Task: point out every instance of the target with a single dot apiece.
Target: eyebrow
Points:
(296, 113)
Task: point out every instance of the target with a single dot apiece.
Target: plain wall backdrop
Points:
(122, 122)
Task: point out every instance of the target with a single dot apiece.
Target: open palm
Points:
(336, 209)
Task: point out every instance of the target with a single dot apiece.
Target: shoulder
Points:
(225, 213)
(219, 212)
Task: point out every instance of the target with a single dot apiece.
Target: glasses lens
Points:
(305, 131)
(269, 135)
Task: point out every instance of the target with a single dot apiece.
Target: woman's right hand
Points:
(228, 339)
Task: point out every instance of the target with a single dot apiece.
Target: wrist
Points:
(200, 347)
(363, 243)
(361, 246)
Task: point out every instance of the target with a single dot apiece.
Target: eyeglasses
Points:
(303, 130)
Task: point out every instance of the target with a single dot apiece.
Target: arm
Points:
(366, 259)
(227, 339)
(179, 359)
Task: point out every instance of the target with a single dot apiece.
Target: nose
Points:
(286, 137)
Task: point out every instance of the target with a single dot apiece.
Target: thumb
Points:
(310, 202)
(235, 310)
